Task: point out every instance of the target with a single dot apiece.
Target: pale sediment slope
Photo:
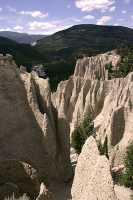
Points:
(36, 126)
(90, 92)
(28, 130)
(57, 144)
(109, 101)
(92, 178)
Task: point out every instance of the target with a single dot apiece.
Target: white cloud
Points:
(5, 29)
(103, 11)
(2, 18)
(35, 14)
(69, 6)
(116, 24)
(104, 20)
(127, 1)
(89, 17)
(18, 28)
(41, 25)
(124, 11)
(47, 27)
(66, 21)
(112, 9)
(121, 19)
(90, 5)
(54, 30)
(11, 9)
(75, 19)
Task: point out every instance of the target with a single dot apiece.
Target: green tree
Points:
(126, 64)
(127, 177)
(81, 133)
(103, 149)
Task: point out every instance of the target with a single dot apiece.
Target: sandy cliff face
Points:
(96, 67)
(109, 101)
(18, 125)
(92, 178)
(21, 139)
(28, 129)
(56, 143)
(84, 92)
(36, 127)
(116, 118)
(111, 104)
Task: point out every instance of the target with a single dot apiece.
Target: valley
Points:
(59, 52)
(42, 125)
(86, 96)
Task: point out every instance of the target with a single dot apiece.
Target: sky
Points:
(49, 16)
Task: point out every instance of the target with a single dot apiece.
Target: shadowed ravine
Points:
(36, 127)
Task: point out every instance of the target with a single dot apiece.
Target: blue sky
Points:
(49, 16)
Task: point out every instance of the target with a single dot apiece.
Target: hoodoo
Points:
(28, 130)
(36, 128)
(90, 91)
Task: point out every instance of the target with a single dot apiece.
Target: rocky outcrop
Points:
(18, 178)
(20, 134)
(123, 193)
(110, 102)
(116, 117)
(56, 143)
(92, 178)
(28, 130)
(84, 92)
(40, 70)
(6, 60)
(44, 194)
(96, 67)
(36, 127)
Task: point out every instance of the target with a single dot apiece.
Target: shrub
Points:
(126, 64)
(109, 67)
(103, 149)
(81, 133)
(127, 177)
(24, 197)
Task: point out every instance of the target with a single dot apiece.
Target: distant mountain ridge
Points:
(62, 49)
(21, 37)
(24, 54)
(84, 40)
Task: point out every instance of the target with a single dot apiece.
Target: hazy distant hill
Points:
(21, 37)
(23, 53)
(60, 51)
